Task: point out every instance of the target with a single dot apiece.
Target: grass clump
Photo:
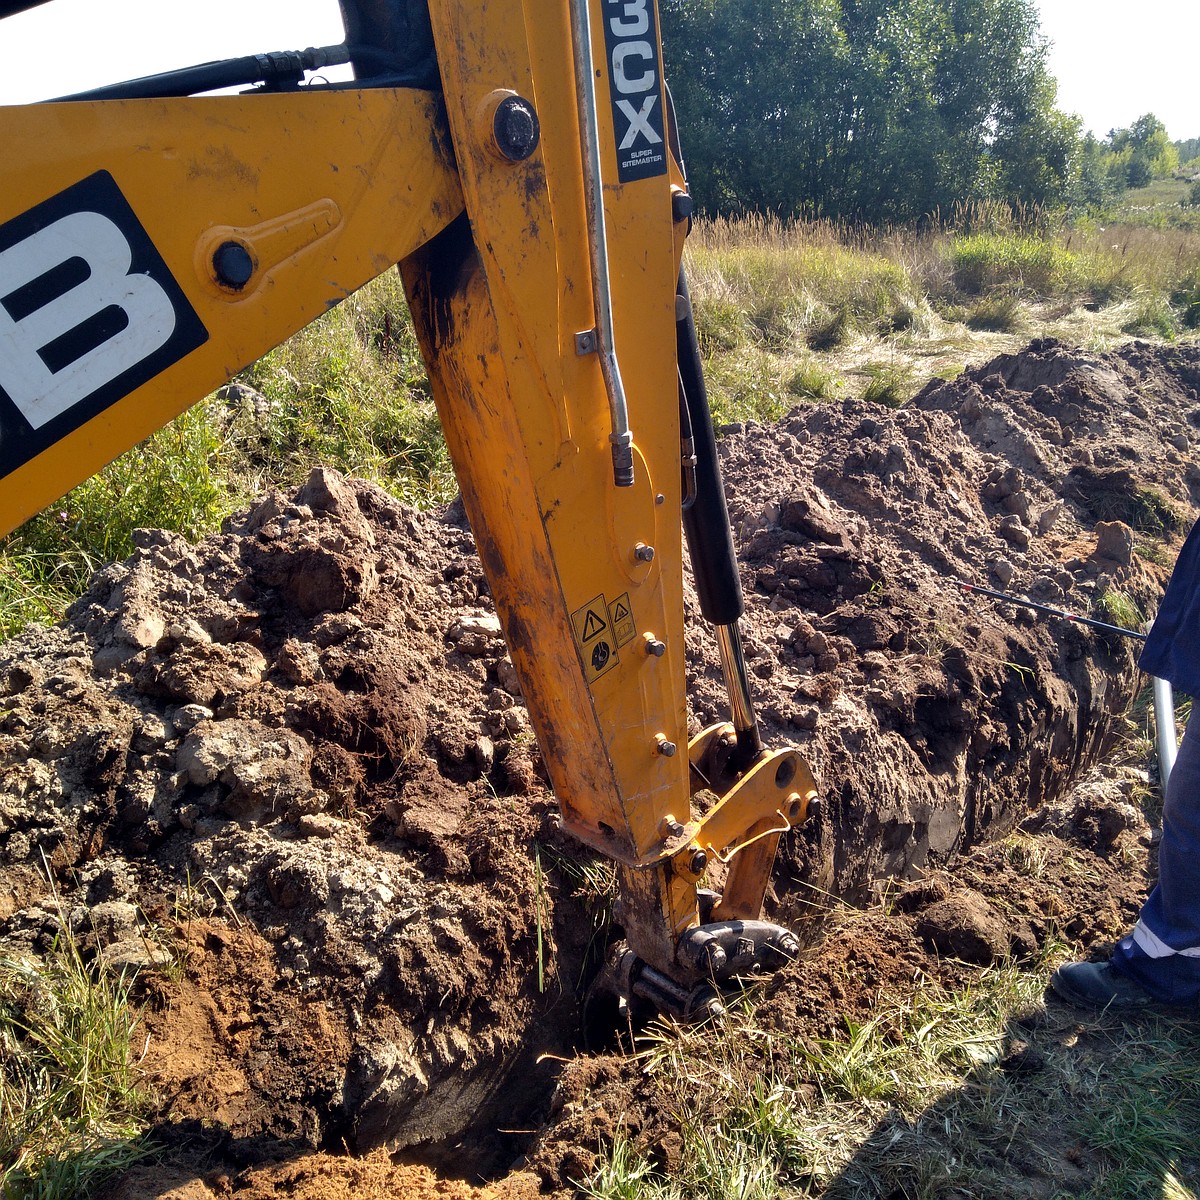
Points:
(888, 384)
(1000, 313)
(720, 325)
(1152, 316)
(830, 331)
(71, 1107)
(811, 381)
(1186, 298)
(1151, 512)
(983, 262)
(980, 1091)
(746, 386)
(1118, 608)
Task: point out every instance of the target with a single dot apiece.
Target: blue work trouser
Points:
(1163, 951)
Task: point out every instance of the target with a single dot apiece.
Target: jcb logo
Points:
(632, 41)
(88, 312)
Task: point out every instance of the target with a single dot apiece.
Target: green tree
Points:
(875, 109)
(1145, 149)
(762, 90)
(1188, 151)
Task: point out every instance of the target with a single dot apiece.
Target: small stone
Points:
(1013, 532)
(1114, 543)
(1017, 504)
(1049, 517)
(1004, 571)
(186, 718)
(964, 926)
(486, 625)
(506, 676)
(319, 824)
(133, 954)
(483, 752)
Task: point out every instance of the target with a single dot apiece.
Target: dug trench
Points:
(285, 774)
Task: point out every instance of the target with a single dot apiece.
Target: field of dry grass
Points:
(814, 311)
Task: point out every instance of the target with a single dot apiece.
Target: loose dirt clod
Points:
(287, 772)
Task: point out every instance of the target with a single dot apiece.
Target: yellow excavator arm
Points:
(517, 159)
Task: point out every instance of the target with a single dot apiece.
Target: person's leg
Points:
(1162, 953)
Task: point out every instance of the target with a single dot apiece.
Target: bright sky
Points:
(1114, 59)
(1117, 59)
(71, 45)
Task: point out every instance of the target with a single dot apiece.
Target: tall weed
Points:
(71, 1106)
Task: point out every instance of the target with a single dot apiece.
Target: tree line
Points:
(884, 110)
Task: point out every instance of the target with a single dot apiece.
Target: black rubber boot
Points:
(1098, 986)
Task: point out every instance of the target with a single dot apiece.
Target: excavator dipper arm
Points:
(150, 248)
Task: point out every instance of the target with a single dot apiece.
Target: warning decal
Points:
(622, 620)
(594, 636)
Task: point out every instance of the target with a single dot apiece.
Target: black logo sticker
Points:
(88, 313)
(632, 42)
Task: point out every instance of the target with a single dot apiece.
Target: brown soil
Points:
(286, 773)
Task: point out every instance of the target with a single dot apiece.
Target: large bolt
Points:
(698, 863)
(654, 647)
(233, 265)
(516, 128)
(643, 553)
(667, 749)
(681, 206)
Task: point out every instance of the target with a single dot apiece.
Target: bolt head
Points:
(643, 553)
(655, 648)
(698, 863)
(681, 206)
(667, 750)
(516, 128)
(233, 265)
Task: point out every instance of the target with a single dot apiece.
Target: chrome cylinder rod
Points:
(737, 684)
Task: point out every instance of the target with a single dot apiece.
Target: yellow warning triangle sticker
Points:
(593, 626)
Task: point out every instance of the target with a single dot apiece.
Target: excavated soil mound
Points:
(287, 775)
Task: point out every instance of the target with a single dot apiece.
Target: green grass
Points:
(1153, 317)
(982, 1092)
(983, 262)
(71, 1107)
(1000, 313)
(171, 481)
(1117, 608)
(811, 381)
(890, 384)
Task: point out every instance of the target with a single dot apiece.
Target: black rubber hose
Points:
(706, 521)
